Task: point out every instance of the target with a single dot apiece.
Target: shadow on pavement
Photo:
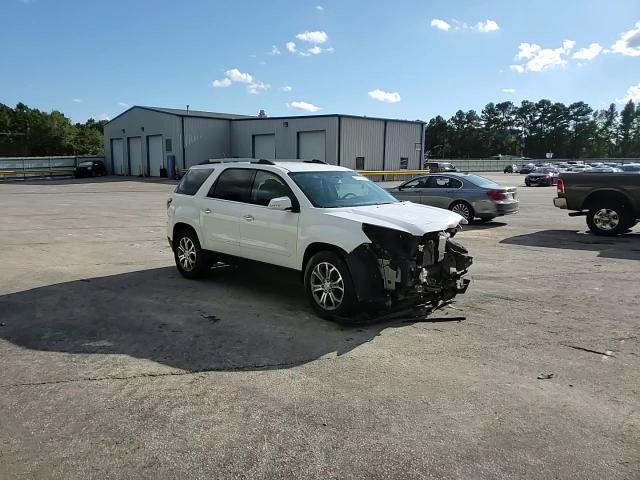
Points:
(478, 225)
(625, 246)
(254, 318)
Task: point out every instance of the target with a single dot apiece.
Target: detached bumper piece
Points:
(399, 271)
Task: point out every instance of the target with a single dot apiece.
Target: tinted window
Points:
(233, 184)
(481, 181)
(193, 180)
(420, 182)
(443, 182)
(267, 186)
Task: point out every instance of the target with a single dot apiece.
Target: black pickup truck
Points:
(611, 201)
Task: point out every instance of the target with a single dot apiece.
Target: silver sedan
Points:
(471, 196)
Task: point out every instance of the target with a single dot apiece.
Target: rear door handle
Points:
(206, 210)
(248, 218)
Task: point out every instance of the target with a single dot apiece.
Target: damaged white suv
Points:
(359, 248)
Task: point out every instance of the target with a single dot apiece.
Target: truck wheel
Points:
(192, 262)
(608, 219)
(328, 286)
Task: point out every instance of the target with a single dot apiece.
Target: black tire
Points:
(185, 242)
(462, 208)
(608, 219)
(347, 304)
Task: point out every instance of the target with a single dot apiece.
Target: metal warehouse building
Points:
(142, 140)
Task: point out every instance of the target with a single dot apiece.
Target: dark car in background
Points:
(630, 167)
(543, 176)
(436, 167)
(528, 168)
(90, 168)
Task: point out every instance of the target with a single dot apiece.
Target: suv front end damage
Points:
(400, 269)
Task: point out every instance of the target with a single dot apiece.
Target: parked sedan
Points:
(471, 196)
(528, 168)
(90, 168)
(545, 176)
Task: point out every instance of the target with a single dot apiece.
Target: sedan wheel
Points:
(463, 209)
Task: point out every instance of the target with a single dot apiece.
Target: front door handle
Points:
(248, 218)
(206, 210)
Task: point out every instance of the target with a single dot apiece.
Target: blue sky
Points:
(403, 59)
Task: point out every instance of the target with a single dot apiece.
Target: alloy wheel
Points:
(462, 210)
(187, 254)
(327, 286)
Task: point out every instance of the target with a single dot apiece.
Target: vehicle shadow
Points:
(238, 319)
(625, 246)
(477, 225)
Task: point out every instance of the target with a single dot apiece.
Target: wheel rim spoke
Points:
(327, 286)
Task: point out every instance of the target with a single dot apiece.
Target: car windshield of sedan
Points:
(545, 170)
(340, 189)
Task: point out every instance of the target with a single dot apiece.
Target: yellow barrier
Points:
(393, 174)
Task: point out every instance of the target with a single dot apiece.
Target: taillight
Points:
(560, 186)
(496, 195)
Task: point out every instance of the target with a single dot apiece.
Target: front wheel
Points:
(191, 261)
(608, 219)
(328, 286)
(463, 209)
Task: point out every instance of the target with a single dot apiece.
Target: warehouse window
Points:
(404, 163)
(167, 144)
(359, 163)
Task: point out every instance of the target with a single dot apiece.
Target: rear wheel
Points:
(463, 209)
(191, 261)
(608, 219)
(328, 286)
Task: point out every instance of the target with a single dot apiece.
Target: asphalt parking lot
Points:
(114, 366)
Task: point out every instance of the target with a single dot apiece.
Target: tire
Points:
(462, 208)
(324, 297)
(191, 261)
(608, 219)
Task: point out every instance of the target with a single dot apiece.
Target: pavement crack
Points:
(584, 349)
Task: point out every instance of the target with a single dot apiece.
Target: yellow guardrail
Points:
(391, 175)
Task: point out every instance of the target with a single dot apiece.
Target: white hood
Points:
(408, 217)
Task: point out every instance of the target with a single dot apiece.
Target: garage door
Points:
(311, 145)
(264, 146)
(117, 157)
(135, 156)
(155, 155)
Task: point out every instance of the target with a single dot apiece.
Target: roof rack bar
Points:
(263, 161)
(315, 160)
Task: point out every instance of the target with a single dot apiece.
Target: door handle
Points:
(206, 210)
(248, 218)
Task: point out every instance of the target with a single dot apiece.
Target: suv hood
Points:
(407, 217)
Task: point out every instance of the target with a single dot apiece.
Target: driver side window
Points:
(267, 186)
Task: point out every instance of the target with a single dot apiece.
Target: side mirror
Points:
(280, 203)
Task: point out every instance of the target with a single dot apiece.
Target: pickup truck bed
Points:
(610, 201)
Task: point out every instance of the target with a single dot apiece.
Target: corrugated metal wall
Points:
(402, 138)
(206, 138)
(242, 132)
(361, 137)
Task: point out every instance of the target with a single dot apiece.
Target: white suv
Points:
(357, 246)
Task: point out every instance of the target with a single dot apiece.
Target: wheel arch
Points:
(605, 195)
(316, 247)
(182, 226)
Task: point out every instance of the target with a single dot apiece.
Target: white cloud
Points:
(487, 26)
(509, 90)
(539, 59)
(122, 104)
(306, 106)
(315, 37)
(440, 24)
(286, 88)
(629, 43)
(588, 53)
(103, 116)
(315, 50)
(236, 75)
(77, 100)
(224, 83)
(274, 50)
(633, 94)
(320, 8)
(256, 88)
(382, 96)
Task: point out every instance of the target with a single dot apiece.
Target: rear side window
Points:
(233, 184)
(193, 180)
(443, 182)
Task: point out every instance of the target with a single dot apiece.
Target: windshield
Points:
(545, 170)
(481, 181)
(85, 164)
(340, 189)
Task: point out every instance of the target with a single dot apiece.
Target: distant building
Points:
(143, 140)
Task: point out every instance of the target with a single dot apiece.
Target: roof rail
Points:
(221, 160)
(315, 160)
(263, 161)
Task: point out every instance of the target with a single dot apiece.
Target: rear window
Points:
(481, 181)
(233, 184)
(193, 180)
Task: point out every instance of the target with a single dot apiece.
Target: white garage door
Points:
(264, 146)
(311, 145)
(155, 155)
(135, 156)
(117, 156)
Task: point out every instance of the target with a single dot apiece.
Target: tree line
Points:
(533, 129)
(28, 131)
